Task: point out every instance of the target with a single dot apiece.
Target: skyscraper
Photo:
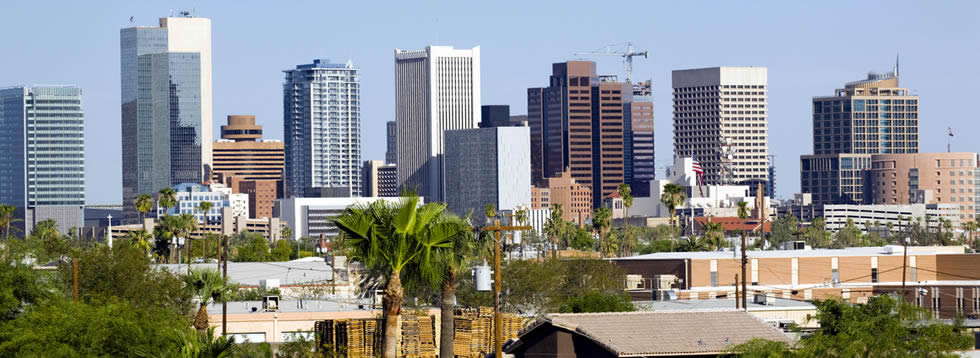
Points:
(42, 136)
(391, 154)
(577, 124)
(322, 128)
(166, 105)
(436, 89)
(378, 179)
(488, 165)
(721, 117)
(870, 116)
(640, 167)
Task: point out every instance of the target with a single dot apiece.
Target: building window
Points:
(714, 279)
(874, 275)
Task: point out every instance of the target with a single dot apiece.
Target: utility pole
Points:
(736, 293)
(745, 261)
(905, 261)
(74, 264)
(497, 280)
(224, 305)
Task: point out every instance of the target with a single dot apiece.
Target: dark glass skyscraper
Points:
(166, 105)
(42, 136)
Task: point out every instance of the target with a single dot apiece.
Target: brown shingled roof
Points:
(632, 334)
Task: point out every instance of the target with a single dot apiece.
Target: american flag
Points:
(698, 172)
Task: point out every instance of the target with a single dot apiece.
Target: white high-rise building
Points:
(721, 118)
(436, 89)
(322, 128)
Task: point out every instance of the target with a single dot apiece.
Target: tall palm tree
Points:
(7, 218)
(490, 212)
(166, 199)
(209, 286)
(140, 239)
(627, 195)
(555, 227)
(286, 232)
(143, 204)
(454, 259)
(386, 238)
(743, 213)
(601, 218)
(521, 216)
(205, 207)
(188, 224)
(714, 235)
(672, 197)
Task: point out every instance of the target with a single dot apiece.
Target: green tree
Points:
(287, 233)
(817, 235)
(692, 244)
(187, 343)
(883, 327)
(581, 239)
(849, 236)
(627, 195)
(555, 227)
(386, 238)
(140, 239)
(21, 287)
(143, 203)
(166, 199)
(672, 197)
(454, 260)
(784, 229)
(208, 286)
(521, 217)
(714, 235)
(601, 220)
(596, 301)
(251, 247)
(6, 218)
(282, 252)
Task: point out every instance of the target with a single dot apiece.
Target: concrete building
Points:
(42, 132)
(575, 199)
(243, 153)
(937, 277)
(225, 225)
(639, 154)
(487, 166)
(378, 179)
(166, 105)
(577, 122)
(322, 127)
(837, 215)
(310, 217)
(391, 154)
(706, 200)
(721, 119)
(870, 116)
(926, 178)
(190, 196)
(437, 89)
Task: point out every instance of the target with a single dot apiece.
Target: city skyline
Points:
(672, 33)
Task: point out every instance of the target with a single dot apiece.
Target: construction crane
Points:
(628, 55)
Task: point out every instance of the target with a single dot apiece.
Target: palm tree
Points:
(205, 207)
(692, 244)
(743, 213)
(714, 234)
(188, 224)
(286, 232)
(627, 195)
(166, 199)
(455, 259)
(555, 227)
(140, 239)
(196, 344)
(490, 212)
(521, 216)
(209, 286)
(7, 218)
(387, 238)
(601, 218)
(143, 204)
(672, 197)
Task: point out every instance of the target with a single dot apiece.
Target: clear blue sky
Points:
(810, 50)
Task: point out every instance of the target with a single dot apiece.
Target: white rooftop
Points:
(722, 304)
(306, 270)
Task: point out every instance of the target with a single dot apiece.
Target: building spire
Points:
(895, 71)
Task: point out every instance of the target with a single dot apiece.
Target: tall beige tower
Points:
(721, 118)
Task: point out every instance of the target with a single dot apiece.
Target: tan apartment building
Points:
(942, 279)
(926, 178)
(574, 198)
(578, 125)
(249, 165)
(866, 117)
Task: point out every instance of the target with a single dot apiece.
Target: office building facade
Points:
(488, 166)
(322, 128)
(166, 105)
(42, 133)
(379, 179)
(310, 217)
(870, 116)
(721, 119)
(575, 199)
(437, 89)
(190, 195)
(640, 167)
(578, 124)
(926, 178)
(243, 153)
(391, 154)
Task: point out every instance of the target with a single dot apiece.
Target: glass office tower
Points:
(166, 105)
(42, 134)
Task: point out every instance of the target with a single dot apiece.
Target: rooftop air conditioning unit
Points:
(765, 298)
(270, 303)
(664, 282)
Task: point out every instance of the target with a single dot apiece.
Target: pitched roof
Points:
(735, 224)
(631, 334)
